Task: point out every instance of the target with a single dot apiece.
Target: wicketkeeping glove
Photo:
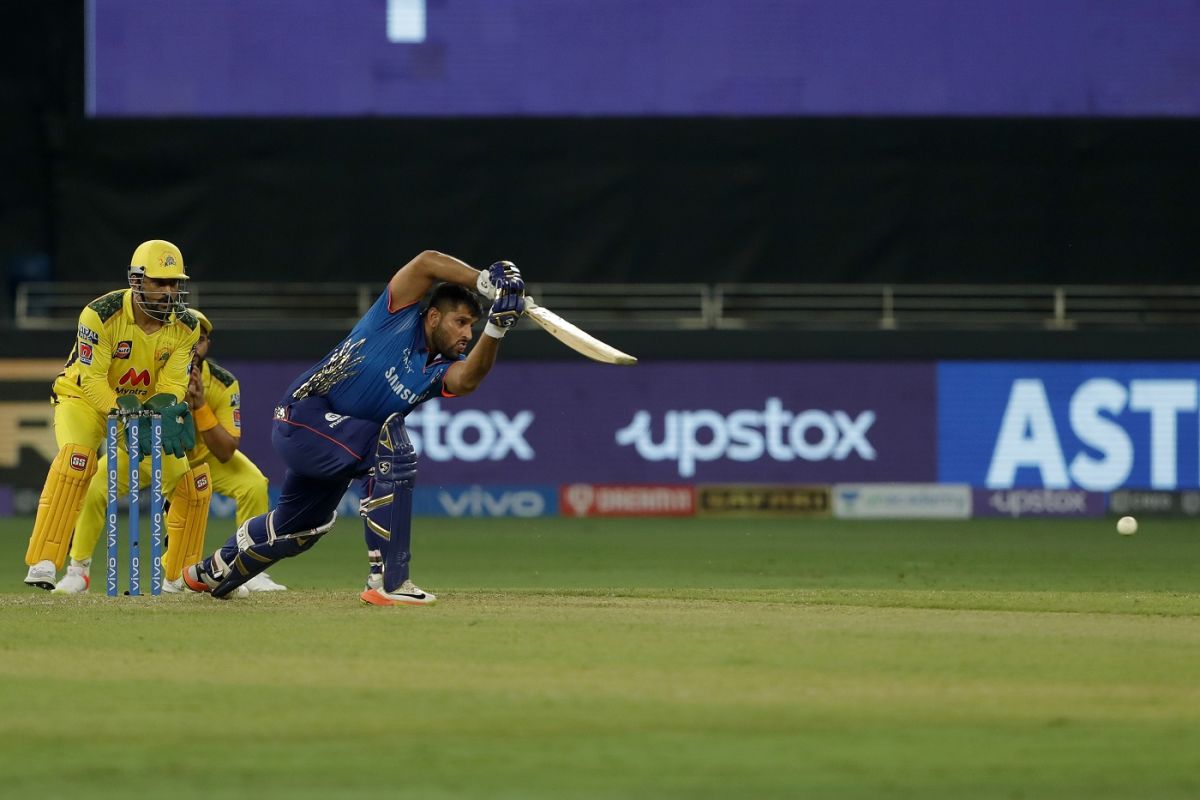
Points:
(128, 406)
(127, 403)
(178, 430)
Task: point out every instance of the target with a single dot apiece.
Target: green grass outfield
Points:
(656, 659)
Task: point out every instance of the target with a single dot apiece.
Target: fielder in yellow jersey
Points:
(132, 346)
(215, 398)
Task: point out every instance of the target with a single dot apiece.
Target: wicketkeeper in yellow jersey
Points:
(133, 349)
(215, 398)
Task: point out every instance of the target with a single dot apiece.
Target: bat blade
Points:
(575, 337)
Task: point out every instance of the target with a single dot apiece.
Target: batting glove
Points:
(496, 277)
(506, 310)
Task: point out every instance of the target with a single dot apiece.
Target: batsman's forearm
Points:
(414, 279)
(441, 267)
(470, 373)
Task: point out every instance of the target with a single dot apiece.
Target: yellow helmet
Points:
(157, 258)
(205, 325)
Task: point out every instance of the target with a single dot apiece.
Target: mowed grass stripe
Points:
(552, 670)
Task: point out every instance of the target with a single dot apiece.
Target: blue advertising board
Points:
(434, 501)
(486, 501)
(1097, 426)
(1042, 438)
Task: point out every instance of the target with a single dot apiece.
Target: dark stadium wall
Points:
(614, 200)
(585, 199)
(40, 83)
(995, 200)
(528, 343)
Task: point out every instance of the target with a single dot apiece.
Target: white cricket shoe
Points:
(409, 594)
(262, 582)
(374, 580)
(42, 575)
(173, 586)
(76, 581)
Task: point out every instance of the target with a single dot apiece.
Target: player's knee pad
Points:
(259, 546)
(187, 521)
(60, 504)
(258, 538)
(260, 532)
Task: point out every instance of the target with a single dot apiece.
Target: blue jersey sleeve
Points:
(382, 367)
(379, 319)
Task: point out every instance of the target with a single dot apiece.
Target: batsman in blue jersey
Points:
(343, 419)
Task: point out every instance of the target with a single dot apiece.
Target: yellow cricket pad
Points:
(59, 506)
(187, 521)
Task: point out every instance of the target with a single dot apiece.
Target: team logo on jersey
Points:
(333, 419)
(235, 399)
(78, 461)
(400, 390)
(85, 353)
(237, 419)
(162, 354)
(123, 350)
(135, 378)
(86, 334)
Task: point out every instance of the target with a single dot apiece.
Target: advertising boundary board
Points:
(1031, 429)
(762, 500)
(1098, 426)
(901, 501)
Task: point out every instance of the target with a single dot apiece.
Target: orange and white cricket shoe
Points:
(197, 580)
(409, 594)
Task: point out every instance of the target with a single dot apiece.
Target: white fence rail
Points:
(692, 306)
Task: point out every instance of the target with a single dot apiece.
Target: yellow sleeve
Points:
(226, 404)
(173, 379)
(94, 355)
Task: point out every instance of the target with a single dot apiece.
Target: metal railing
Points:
(691, 306)
(887, 307)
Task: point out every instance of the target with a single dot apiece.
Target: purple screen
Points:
(642, 57)
(676, 422)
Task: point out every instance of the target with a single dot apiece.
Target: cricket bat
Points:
(574, 337)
